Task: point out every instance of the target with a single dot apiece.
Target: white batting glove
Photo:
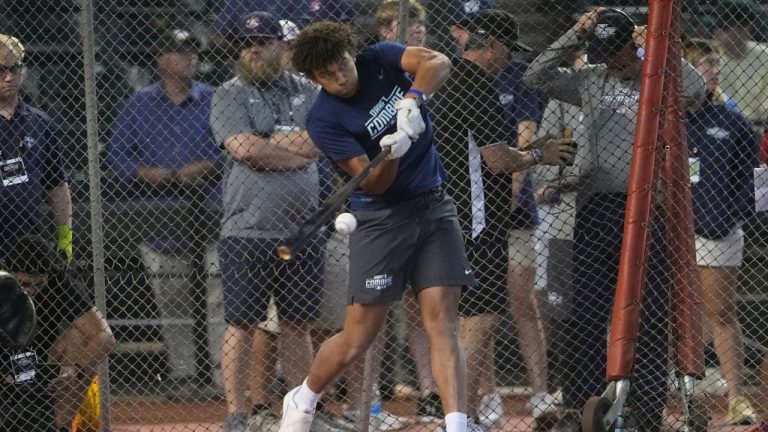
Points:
(398, 142)
(409, 118)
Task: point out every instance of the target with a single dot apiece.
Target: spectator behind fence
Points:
(163, 149)
(387, 22)
(30, 157)
(555, 193)
(407, 230)
(744, 63)
(723, 153)
(302, 12)
(608, 92)
(473, 137)
(270, 185)
(44, 384)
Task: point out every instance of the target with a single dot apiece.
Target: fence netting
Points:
(170, 309)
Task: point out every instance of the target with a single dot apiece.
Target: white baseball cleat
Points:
(295, 419)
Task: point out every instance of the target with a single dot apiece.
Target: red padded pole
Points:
(629, 289)
(687, 296)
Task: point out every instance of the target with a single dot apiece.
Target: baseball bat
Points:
(312, 224)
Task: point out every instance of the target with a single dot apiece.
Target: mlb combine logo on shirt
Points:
(378, 282)
(383, 113)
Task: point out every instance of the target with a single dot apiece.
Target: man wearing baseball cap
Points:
(162, 146)
(270, 183)
(470, 106)
(608, 91)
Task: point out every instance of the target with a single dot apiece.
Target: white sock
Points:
(455, 422)
(305, 398)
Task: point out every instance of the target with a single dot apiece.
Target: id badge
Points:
(694, 169)
(24, 366)
(12, 172)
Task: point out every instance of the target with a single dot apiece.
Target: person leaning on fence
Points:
(472, 137)
(608, 92)
(45, 383)
(743, 62)
(723, 154)
(270, 184)
(162, 148)
(30, 158)
(407, 226)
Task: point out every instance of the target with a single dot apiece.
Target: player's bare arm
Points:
(380, 178)
(430, 69)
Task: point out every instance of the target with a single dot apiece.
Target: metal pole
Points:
(402, 21)
(94, 181)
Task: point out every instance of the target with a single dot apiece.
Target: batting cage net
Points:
(590, 176)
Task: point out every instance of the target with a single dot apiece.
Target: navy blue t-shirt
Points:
(723, 153)
(347, 128)
(33, 137)
(520, 104)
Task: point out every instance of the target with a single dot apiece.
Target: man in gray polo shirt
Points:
(270, 184)
(608, 93)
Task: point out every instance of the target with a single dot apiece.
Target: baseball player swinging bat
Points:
(309, 227)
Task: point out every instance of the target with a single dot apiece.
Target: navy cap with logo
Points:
(468, 9)
(328, 10)
(177, 41)
(613, 31)
(498, 24)
(259, 24)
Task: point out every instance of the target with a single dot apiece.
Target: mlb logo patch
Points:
(604, 31)
(253, 22)
(316, 5)
(28, 142)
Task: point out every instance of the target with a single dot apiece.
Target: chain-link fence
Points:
(171, 136)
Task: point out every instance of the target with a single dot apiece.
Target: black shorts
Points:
(417, 242)
(488, 256)
(252, 272)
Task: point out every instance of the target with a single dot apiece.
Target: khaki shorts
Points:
(521, 243)
(724, 252)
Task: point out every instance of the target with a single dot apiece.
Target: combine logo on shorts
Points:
(378, 282)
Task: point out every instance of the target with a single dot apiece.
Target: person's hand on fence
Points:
(64, 242)
(555, 151)
(586, 23)
(639, 36)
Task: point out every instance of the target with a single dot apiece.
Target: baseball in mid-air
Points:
(345, 223)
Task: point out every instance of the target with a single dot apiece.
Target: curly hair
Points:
(320, 45)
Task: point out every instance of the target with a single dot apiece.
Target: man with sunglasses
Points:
(270, 184)
(31, 164)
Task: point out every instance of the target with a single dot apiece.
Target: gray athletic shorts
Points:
(417, 242)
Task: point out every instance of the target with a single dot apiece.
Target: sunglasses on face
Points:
(14, 69)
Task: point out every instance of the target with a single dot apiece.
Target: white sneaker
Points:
(541, 405)
(382, 421)
(491, 410)
(471, 427)
(294, 418)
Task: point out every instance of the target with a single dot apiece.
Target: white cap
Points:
(290, 30)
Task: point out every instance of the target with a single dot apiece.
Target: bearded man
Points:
(270, 183)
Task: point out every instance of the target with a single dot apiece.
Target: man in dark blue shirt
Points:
(164, 149)
(408, 231)
(31, 164)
